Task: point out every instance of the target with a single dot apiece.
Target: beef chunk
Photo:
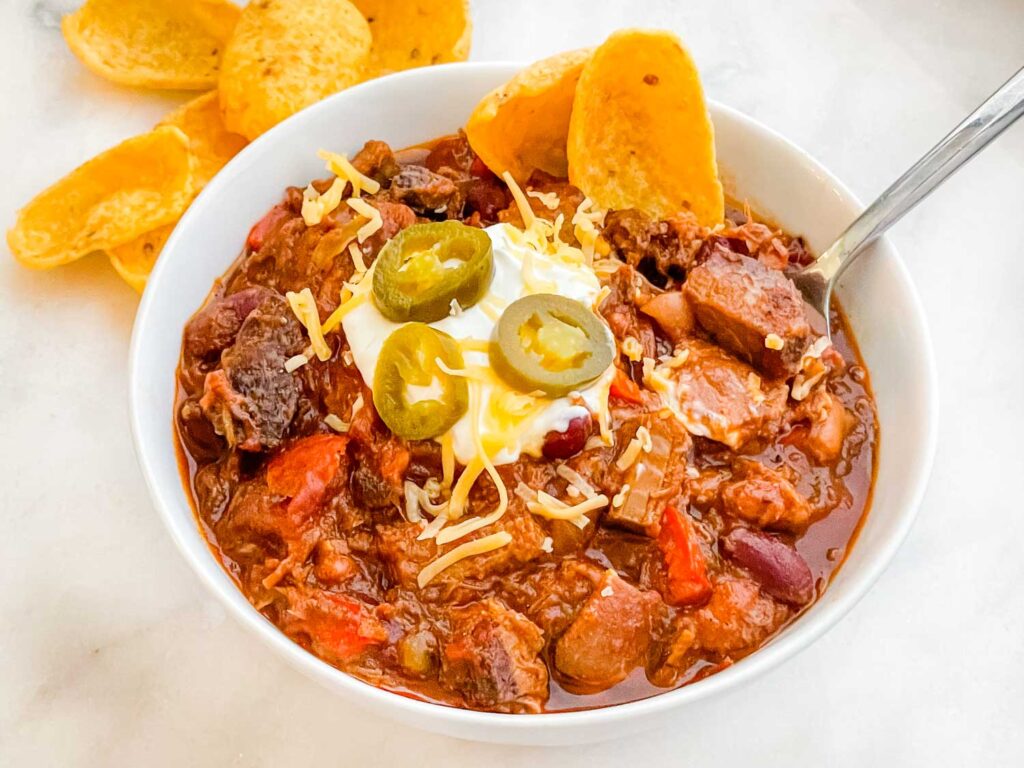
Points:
(215, 326)
(750, 309)
(451, 157)
(377, 161)
(551, 596)
(656, 477)
(610, 636)
(764, 497)
(661, 250)
(737, 618)
(620, 310)
(673, 314)
(721, 398)
(491, 658)
(426, 192)
(828, 424)
(251, 400)
(403, 554)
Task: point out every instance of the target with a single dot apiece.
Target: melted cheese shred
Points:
(304, 307)
(372, 215)
(340, 166)
(461, 552)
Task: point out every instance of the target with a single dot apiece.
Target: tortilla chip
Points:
(134, 261)
(149, 43)
(139, 185)
(524, 124)
(640, 135)
(209, 141)
(287, 54)
(217, 17)
(416, 33)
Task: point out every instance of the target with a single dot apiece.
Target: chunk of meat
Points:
(829, 423)
(491, 658)
(552, 596)
(426, 192)
(394, 218)
(763, 496)
(452, 157)
(673, 314)
(755, 312)
(215, 326)
(722, 398)
(620, 311)
(403, 554)
(609, 637)
(738, 617)
(377, 161)
(656, 477)
(251, 400)
(779, 568)
(660, 250)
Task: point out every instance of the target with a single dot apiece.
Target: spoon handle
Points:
(994, 116)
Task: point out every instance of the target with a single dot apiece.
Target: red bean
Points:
(562, 445)
(779, 568)
(486, 196)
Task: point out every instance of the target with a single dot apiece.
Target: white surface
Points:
(798, 193)
(112, 652)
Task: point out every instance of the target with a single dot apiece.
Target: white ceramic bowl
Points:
(777, 178)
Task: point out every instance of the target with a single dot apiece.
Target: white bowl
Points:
(758, 165)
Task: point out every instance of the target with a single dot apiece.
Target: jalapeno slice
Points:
(550, 343)
(414, 397)
(425, 266)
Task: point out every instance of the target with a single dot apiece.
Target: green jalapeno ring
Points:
(551, 343)
(408, 359)
(414, 278)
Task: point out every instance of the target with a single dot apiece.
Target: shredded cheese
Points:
(340, 166)
(431, 529)
(335, 318)
(632, 348)
(575, 480)
(547, 545)
(461, 552)
(294, 363)
(774, 341)
(357, 258)
(548, 506)
(619, 498)
(316, 206)
(335, 423)
(371, 214)
(548, 199)
(304, 307)
(529, 218)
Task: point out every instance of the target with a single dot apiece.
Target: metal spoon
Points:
(999, 111)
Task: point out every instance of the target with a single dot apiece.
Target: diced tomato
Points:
(625, 388)
(343, 627)
(304, 471)
(687, 570)
(265, 226)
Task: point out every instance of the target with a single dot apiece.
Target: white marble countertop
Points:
(113, 654)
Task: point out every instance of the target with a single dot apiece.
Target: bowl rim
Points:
(785, 645)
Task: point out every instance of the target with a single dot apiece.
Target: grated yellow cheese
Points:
(529, 218)
(548, 506)
(367, 211)
(336, 423)
(632, 348)
(774, 341)
(548, 199)
(357, 258)
(294, 363)
(304, 307)
(340, 166)
(461, 552)
(316, 206)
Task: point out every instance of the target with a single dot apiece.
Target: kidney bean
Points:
(779, 568)
(563, 445)
(487, 196)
